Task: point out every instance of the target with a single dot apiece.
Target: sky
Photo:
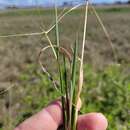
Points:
(47, 2)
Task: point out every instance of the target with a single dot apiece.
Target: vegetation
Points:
(106, 91)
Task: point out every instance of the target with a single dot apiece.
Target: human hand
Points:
(50, 118)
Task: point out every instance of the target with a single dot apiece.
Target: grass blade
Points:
(57, 27)
(73, 90)
(66, 92)
(61, 72)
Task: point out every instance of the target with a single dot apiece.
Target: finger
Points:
(92, 121)
(48, 119)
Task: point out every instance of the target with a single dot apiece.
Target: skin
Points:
(51, 117)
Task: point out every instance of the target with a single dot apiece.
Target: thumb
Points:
(92, 121)
(47, 119)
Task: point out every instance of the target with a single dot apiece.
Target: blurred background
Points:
(24, 90)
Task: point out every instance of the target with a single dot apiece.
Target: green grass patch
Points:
(45, 11)
(106, 91)
(114, 10)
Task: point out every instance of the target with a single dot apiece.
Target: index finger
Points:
(48, 119)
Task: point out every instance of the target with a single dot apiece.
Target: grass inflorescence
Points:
(69, 89)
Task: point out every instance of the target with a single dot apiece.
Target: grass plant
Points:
(70, 91)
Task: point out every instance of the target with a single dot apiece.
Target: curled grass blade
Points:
(62, 51)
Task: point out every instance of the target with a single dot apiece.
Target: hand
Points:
(51, 117)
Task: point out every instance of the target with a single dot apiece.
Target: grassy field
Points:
(106, 83)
